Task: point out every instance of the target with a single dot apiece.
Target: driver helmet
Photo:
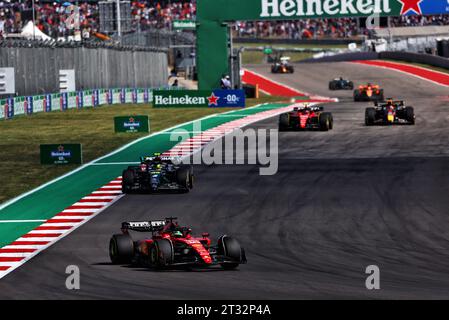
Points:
(177, 234)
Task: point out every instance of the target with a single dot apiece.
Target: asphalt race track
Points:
(342, 200)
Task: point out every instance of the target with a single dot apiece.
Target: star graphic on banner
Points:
(413, 5)
(61, 148)
(213, 99)
(131, 119)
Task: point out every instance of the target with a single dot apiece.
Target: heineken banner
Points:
(132, 124)
(184, 25)
(61, 154)
(213, 17)
(198, 98)
(297, 9)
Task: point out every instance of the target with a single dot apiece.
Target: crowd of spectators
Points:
(53, 18)
(326, 28)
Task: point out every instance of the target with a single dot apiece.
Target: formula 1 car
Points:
(306, 118)
(341, 84)
(282, 65)
(369, 92)
(390, 112)
(157, 173)
(173, 246)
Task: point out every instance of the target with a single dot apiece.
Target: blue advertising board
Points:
(9, 108)
(428, 7)
(109, 96)
(29, 105)
(80, 99)
(64, 101)
(95, 98)
(227, 99)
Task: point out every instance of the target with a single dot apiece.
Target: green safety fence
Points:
(15, 106)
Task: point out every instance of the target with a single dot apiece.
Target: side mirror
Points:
(205, 234)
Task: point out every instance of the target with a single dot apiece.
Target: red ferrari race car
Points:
(369, 92)
(306, 118)
(171, 245)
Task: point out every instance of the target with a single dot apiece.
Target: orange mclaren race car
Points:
(369, 92)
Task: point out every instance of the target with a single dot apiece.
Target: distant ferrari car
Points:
(171, 245)
(282, 65)
(369, 92)
(157, 173)
(306, 118)
(341, 84)
(390, 112)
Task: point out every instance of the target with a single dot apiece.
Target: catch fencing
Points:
(37, 65)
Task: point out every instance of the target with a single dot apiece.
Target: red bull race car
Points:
(171, 245)
(282, 65)
(306, 118)
(390, 112)
(369, 92)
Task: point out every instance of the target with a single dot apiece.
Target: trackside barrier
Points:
(28, 105)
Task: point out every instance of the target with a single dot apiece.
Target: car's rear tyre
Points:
(332, 86)
(230, 248)
(351, 85)
(121, 249)
(128, 180)
(370, 116)
(356, 96)
(325, 121)
(184, 177)
(410, 115)
(284, 122)
(291, 70)
(161, 253)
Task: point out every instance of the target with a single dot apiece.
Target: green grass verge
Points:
(20, 137)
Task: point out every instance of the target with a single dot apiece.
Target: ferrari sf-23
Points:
(170, 245)
(306, 118)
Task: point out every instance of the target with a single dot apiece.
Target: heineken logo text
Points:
(302, 8)
(185, 100)
(61, 154)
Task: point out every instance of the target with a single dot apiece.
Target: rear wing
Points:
(144, 226)
(313, 108)
(162, 158)
(399, 103)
